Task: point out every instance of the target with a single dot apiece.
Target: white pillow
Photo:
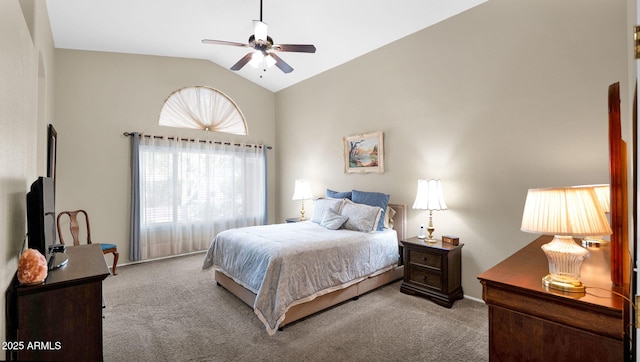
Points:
(332, 220)
(321, 205)
(388, 218)
(361, 217)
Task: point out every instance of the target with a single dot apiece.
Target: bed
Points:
(286, 272)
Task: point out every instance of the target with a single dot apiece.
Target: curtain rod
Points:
(194, 140)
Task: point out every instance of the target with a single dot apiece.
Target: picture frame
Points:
(364, 153)
(52, 147)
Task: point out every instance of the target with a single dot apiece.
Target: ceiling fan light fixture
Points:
(269, 60)
(256, 59)
(260, 31)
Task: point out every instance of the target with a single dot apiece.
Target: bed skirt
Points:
(301, 310)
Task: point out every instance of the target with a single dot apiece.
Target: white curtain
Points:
(191, 190)
(204, 108)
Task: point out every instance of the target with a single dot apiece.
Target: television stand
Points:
(60, 319)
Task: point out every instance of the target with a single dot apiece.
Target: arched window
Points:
(205, 108)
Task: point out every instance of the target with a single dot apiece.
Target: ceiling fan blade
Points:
(222, 42)
(281, 64)
(242, 62)
(301, 48)
(260, 30)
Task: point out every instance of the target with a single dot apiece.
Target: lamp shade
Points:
(302, 190)
(429, 196)
(570, 211)
(603, 192)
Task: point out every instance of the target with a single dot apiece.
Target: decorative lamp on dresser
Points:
(432, 270)
(60, 319)
(531, 322)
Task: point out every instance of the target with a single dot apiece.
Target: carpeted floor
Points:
(170, 310)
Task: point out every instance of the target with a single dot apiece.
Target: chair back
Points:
(79, 227)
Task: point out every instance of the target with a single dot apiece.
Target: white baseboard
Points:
(474, 299)
(161, 258)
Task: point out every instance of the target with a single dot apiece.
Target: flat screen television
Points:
(41, 215)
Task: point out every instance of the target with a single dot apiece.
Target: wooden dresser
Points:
(528, 322)
(61, 319)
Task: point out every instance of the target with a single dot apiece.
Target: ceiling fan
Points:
(264, 49)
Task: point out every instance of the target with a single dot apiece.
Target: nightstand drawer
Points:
(433, 261)
(425, 277)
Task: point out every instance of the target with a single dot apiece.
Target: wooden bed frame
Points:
(325, 301)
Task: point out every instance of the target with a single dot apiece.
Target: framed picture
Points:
(364, 153)
(52, 145)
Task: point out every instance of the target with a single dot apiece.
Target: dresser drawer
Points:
(425, 277)
(427, 260)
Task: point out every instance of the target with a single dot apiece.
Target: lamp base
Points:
(427, 238)
(563, 283)
(593, 243)
(302, 218)
(565, 260)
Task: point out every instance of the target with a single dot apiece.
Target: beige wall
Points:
(507, 96)
(26, 104)
(101, 95)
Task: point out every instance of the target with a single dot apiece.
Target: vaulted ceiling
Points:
(340, 30)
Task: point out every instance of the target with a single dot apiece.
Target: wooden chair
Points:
(76, 232)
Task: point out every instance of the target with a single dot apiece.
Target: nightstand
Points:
(433, 270)
(292, 219)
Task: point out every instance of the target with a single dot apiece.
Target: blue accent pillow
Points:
(373, 199)
(338, 195)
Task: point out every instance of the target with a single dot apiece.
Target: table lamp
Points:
(603, 192)
(302, 191)
(564, 213)
(429, 197)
